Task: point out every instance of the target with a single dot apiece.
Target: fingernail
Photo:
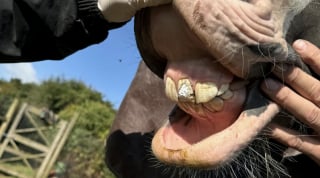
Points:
(299, 45)
(271, 85)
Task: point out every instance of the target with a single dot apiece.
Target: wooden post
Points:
(61, 144)
(12, 129)
(12, 172)
(62, 128)
(30, 143)
(8, 117)
(35, 125)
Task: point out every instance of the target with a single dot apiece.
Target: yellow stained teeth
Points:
(185, 92)
(194, 98)
(205, 92)
(192, 108)
(171, 90)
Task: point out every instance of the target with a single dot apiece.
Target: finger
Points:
(303, 109)
(310, 54)
(303, 83)
(308, 144)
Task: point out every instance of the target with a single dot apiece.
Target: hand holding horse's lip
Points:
(206, 90)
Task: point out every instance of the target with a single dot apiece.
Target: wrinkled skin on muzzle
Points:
(240, 34)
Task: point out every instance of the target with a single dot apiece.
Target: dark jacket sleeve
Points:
(32, 30)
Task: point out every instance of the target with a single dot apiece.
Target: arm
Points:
(32, 30)
(49, 29)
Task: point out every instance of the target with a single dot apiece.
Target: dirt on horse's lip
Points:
(219, 148)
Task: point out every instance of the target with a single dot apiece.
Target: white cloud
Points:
(23, 71)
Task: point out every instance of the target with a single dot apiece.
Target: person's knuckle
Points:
(315, 54)
(313, 117)
(315, 93)
(312, 56)
(295, 142)
(284, 96)
(293, 76)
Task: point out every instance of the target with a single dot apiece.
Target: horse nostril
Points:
(268, 50)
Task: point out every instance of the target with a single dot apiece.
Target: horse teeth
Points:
(192, 108)
(171, 90)
(185, 91)
(216, 104)
(227, 95)
(205, 92)
(202, 93)
(223, 89)
(199, 109)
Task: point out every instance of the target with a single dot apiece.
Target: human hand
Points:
(303, 100)
(123, 10)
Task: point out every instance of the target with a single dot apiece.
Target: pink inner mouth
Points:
(191, 129)
(195, 126)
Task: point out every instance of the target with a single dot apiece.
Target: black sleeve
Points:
(32, 30)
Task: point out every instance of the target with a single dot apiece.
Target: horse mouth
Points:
(215, 117)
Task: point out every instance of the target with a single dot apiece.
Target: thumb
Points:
(116, 10)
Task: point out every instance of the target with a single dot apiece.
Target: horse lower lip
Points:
(220, 148)
(171, 147)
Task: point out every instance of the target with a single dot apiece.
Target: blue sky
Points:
(107, 67)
